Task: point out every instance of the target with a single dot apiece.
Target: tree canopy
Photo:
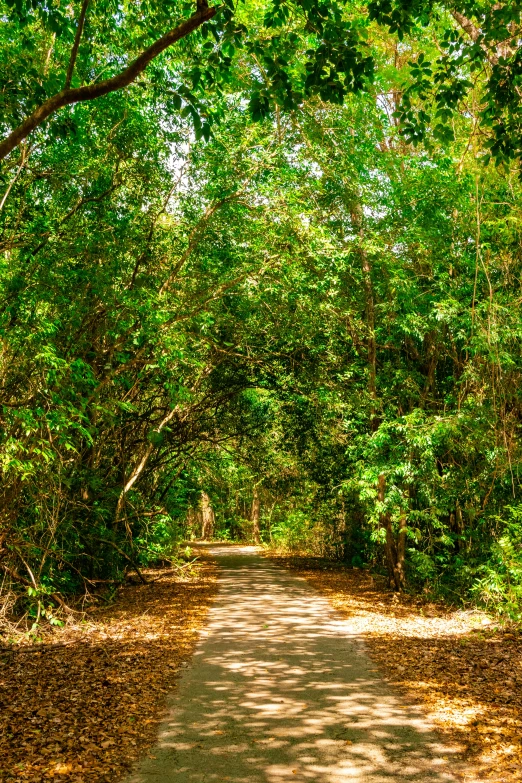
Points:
(296, 50)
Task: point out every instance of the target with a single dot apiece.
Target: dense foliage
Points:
(275, 270)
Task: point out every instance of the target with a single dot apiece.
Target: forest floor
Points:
(85, 702)
(463, 668)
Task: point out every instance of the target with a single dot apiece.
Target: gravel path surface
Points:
(280, 689)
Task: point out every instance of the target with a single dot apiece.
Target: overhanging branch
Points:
(89, 92)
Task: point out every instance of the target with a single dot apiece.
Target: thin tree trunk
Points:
(401, 552)
(255, 517)
(357, 221)
(395, 551)
(207, 518)
(459, 525)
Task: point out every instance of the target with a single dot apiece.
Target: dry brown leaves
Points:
(464, 669)
(85, 711)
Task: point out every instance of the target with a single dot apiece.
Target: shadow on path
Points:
(279, 690)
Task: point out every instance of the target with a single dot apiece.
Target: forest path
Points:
(280, 690)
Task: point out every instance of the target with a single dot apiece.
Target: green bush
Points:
(500, 584)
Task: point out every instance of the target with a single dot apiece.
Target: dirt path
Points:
(463, 666)
(280, 689)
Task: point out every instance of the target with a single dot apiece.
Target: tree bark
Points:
(76, 45)
(401, 552)
(357, 222)
(475, 35)
(207, 518)
(395, 550)
(254, 516)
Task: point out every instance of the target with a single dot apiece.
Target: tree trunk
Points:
(357, 222)
(459, 525)
(207, 518)
(254, 516)
(341, 543)
(138, 469)
(401, 552)
(395, 550)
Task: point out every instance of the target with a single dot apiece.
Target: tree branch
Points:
(475, 35)
(76, 45)
(126, 556)
(89, 92)
(23, 161)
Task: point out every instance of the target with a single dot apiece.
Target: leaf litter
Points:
(463, 667)
(84, 704)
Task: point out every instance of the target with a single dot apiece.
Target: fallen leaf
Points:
(468, 680)
(129, 645)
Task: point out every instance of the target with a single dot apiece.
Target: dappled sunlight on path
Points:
(462, 666)
(280, 689)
